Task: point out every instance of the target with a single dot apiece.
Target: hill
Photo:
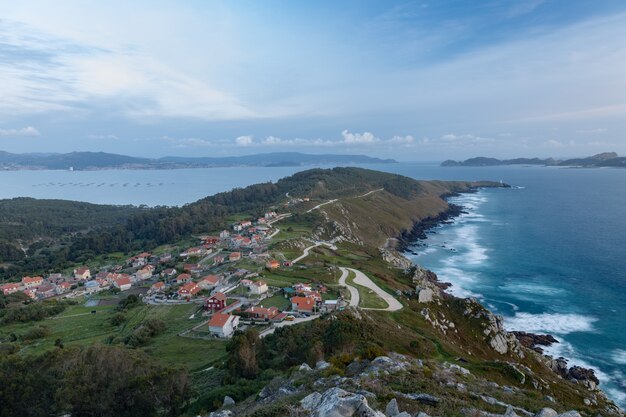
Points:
(606, 159)
(102, 160)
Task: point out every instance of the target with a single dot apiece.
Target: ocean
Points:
(548, 254)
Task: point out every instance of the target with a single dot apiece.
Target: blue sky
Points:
(422, 80)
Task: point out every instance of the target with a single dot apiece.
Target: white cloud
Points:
(102, 137)
(365, 137)
(246, 140)
(28, 131)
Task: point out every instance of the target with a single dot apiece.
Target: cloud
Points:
(365, 137)
(102, 137)
(28, 131)
(592, 131)
(246, 140)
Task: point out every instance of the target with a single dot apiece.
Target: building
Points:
(82, 273)
(11, 288)
(189, 289)
(63, 287)
(234, 256)
(216, 302)
(303, 304)
(46, 290)
(92, 286)
(209, 282)
(223, 325)
(157, 286)
(143, 274)
(258, 287)
(224, 234)
(183, 279)
(122, 283)
(272, 264)
(32, 282)
(168, 273)
(261, 313)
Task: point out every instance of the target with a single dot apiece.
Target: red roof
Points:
(213, 279)
(220, 296)
(189, 288)
(304, 303)
(122, 281)
(28, 280)
(81, 271)
(183, 277)
(219, 320)
(159, 284)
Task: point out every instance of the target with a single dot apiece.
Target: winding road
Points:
(363, 280)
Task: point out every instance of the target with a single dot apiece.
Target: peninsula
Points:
(278, 299)
(605, 159)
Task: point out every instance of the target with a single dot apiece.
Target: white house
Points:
(258, 287)
(122, 283)
(223, 325)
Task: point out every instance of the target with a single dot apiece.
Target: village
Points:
(223, 275)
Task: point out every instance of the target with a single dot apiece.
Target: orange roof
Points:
(220, 296)
(213, 279)
(306, 303)
(259, 283)
(28, 280)
(183, 277)
(159, 284)
(219, 320)
(122, 281)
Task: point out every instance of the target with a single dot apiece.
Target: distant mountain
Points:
(606, 159)
(102, 160)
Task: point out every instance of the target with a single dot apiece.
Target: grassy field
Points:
(77, 325)
(369, 299)
(278, 301)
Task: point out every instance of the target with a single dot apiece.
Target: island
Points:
(605, 159)
(103, 160)
(278, 299)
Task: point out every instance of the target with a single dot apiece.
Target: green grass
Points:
(278, 301)
(77, 326)
(369, 299)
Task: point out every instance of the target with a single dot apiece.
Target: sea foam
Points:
(553, 323)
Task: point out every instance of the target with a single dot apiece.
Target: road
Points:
(365, 281)
(308, 249)
(354, 293)
(275, 326)
(320, 205)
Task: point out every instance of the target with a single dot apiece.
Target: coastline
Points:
(533, 342)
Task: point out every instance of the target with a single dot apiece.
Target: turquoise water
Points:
(549, 256)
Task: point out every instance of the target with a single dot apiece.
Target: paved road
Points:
(364, 280)
(354, 293)
(320, 205)
(308, 249)
(275, 326)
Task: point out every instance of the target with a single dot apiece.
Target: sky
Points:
(411, 80)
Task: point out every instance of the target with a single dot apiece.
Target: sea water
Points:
(548, 254)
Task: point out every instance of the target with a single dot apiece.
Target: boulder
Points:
(422, 414)
(305, 367)
(336, 402)
(403, 414)
(392, 408)
(223, 413)
(228, 401)
(424, 399)
(321, 365)
(571, 413)
(425, 295)
(546, 412)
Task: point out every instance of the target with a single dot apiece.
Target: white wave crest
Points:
(553, 323)
(619, 356)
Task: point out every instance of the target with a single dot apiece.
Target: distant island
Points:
(605, 159)
(102, 160)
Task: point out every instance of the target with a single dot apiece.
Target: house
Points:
(272, 264)
(258, 287)
(92, 286)
(182, 279)
(218, 260)
(189, 289)
(143, 274)
(63, 287)
(331, 305)
(224, 234)
(303, 304)
(223, 325)
(261, 313)
(192, 268)
(234, 256)
(245, 224)
(168, 273)
(31, 292)
(157, 286)
(192, 252)
(46, 290)
(209, 282)
(11, 288)
(82, 273)
(122, 283)
(166, 257)
(32, 282)
(216, 302)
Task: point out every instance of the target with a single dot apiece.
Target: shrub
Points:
(35, 332)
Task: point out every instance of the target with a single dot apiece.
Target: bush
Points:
(33, 312)
(147, 330)
(34, 333)
(117, 319)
